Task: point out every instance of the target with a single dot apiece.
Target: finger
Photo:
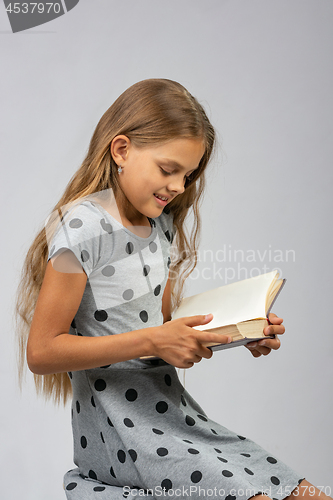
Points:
(205, 352)
(274, 330)
(271, 343)
(274, 319)
(253, 351)
(200, 319)
(210, 337)
(260, 350)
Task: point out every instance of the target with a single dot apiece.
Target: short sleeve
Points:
(85, 232)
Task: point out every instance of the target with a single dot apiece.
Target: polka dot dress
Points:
(136, 431)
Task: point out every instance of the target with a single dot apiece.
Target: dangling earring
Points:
(120, 169)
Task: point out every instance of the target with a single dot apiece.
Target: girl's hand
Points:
(181, 345)
(264, 347)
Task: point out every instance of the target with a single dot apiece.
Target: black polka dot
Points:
(108, 271)
(92, 474)
(73, 324)
(85, 256)
(193, 451)
(241, 437)
(275, 480)
(248, 471)
(112, 472)
(162, 452)
(83, 476)
(131, 395)
(161, 407)
(157, 290)
(83, 442)
(100, 385)
(166, 484)
(101, 315)
(128, 422)
(133, 455)
(214, 432)
(230, 497)
(121, 456)
(196, 476)
(71, 486)
(143, 316)
(78, 409)
(157, 431)
(99, 488)
(102, 437)
(128, 294)
(222, 460)
(217, 450)
(245, 454)
(189, 420)
(152, 246)
(93, 401)
(169, 262)
(106, 226)
(227, 473)
(75, 223)
(202, 418)
(167, 234)
(271, 460)
(187, 441)
(183, 400)
(167, 379)
(109, 422)
(129, 247)
(146, 270)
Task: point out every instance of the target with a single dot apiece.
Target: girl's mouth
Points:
(161, 200)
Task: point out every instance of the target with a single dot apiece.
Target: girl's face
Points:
(152, 173)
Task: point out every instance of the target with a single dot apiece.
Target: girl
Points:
(96, 297)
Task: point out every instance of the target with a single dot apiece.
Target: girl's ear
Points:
(119, 148)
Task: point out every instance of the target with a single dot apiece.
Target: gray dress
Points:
(137, 432)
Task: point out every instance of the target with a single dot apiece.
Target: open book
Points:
(240, 309)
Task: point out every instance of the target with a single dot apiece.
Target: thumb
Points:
(200, 319)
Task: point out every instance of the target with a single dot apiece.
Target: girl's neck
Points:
(121, 209)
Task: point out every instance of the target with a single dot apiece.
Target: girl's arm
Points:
(166, 302)
(51, 349)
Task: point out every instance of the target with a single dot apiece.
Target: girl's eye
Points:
(164, 172)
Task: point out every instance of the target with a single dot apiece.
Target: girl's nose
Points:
(177, 185)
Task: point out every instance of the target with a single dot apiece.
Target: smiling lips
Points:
(163, 198)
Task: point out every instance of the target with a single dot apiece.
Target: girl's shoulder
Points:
(82, 228)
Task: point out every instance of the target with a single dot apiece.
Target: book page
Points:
(230, 304)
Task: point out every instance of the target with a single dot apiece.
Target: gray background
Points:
(263, 71)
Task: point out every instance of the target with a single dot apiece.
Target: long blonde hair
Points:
(149, 113)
